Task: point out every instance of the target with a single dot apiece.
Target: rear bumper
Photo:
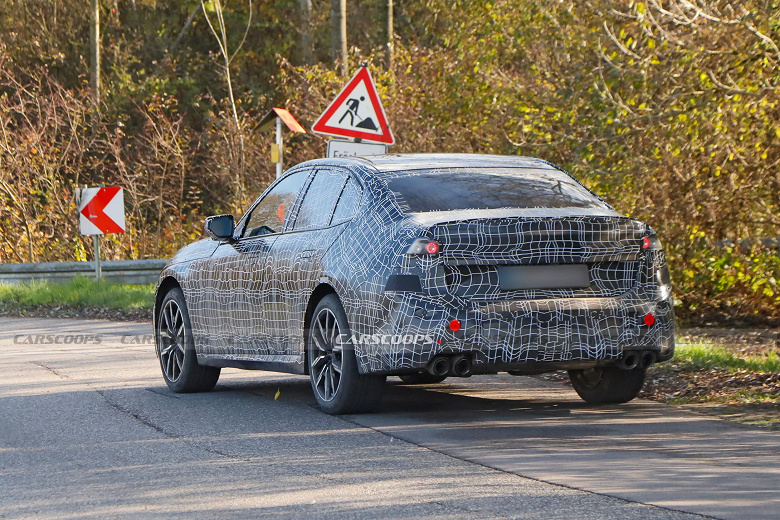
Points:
(520, 334)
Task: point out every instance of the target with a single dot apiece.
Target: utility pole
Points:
(307, 56)
(390, 35)
(94, 49)
(338, 33)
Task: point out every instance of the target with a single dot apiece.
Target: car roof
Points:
(396, 162)
(401, 162)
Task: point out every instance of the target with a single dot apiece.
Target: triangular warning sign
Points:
(356, 112)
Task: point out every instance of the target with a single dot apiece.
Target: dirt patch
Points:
(84, 313)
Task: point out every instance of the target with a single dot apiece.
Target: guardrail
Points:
(120, 271)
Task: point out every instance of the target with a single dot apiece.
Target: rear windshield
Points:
(451, 189)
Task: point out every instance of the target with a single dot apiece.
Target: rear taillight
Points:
(424, 246)
(651, 242)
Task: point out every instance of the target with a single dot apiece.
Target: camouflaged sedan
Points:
(423, 267)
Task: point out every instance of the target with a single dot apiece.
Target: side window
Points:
(317, 206)
(348, 203)
(269, 214)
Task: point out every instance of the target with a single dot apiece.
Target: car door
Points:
(240, 272)
(297, 257)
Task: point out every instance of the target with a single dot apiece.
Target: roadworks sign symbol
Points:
(356, 112)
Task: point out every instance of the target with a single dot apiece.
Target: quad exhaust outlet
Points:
(633, 359)
(458, 365)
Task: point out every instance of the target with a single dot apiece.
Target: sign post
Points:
(281, 116)
(101, 210)
(280, 146)
(98, 267)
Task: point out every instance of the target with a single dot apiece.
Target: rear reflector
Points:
(455, 325)
(649, 319)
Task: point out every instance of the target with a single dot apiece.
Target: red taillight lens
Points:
(423, 246)
(649, 319)
(646, 243)
(455, 325)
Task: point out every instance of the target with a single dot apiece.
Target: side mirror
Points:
(220, 227)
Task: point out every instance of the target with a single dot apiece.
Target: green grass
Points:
(79, 292)
(705, 356)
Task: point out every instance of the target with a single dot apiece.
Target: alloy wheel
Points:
(326, 354)
(170, 340)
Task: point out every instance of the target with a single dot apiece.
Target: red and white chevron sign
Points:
(102, 211)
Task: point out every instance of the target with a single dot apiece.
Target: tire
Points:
(608, 385)
(421, 378)
(337, 385)
(176, 348)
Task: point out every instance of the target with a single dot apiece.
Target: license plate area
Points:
(555, 276)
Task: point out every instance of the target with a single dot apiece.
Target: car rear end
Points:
(481, 289)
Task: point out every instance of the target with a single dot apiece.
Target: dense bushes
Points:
(669, 110)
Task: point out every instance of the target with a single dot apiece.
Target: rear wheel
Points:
(176, 350)
(337, 385)
(602, 385)
(421, 378)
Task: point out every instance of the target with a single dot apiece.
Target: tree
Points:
(307, 56)
(390, 35)
(338, 33)
(221, 35)
(94, 48)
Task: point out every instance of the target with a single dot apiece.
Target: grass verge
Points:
(723, 379)
(81, 297)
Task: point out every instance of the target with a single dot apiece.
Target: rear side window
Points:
(488, 188)
(317, 207)
(348, 203)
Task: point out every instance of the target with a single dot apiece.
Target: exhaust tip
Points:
(440, 366)
(630, 361)
(461, 366)
(648, 358)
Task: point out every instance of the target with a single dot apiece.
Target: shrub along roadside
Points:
(80, 298)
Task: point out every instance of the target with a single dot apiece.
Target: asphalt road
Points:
(90, 431)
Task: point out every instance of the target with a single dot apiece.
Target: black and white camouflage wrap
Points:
(248, 299)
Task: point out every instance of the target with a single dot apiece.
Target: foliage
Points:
(669, 110)
(79, 292)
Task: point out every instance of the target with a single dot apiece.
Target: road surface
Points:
(88, 429)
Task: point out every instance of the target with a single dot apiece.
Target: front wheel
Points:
(607, 385)
(176, 350)
(337, 385)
